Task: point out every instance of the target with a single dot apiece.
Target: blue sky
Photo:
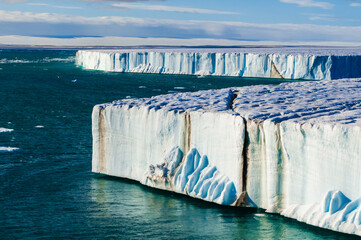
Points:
(257, 20)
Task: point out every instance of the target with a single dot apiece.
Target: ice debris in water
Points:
(8, 149)
(130, 97)
(3, 130)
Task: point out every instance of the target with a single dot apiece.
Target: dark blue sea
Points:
(47, 189)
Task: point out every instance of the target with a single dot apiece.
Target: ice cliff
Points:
(293, 148)
(289, 63)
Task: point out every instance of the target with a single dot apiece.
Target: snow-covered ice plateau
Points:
(288, 63)
(292, 148)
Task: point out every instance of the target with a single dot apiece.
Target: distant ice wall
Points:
(262, 65)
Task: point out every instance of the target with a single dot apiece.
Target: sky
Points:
(287, 21)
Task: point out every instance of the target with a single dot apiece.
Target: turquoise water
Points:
(47, 189)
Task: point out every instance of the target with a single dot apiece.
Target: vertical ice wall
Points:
(169, 144)
(292, 163)
(263, 65)
(303, 141)
(293, 148)
(126, 140)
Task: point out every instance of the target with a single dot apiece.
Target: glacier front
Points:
(288, 63)
(292, 149)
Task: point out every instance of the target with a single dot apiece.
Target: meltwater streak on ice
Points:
(47, 189)
(289, 63)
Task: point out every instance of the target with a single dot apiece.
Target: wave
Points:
(7, 61)
(69, 59)
(2, 130)
(44, 60)
(8, 149)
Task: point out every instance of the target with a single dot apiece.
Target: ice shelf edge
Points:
(306, 66)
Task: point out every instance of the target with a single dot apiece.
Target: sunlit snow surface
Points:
(281, 148)
(289, 63)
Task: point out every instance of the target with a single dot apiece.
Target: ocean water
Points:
(47, 189)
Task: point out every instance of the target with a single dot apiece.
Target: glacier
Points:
(288, 63)
(292, 149)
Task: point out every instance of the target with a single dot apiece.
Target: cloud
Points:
(323, 17)
(49, 24)
(54, 6)
(330, 18)
(355, 4)
(310, 3)
(132, 41)
(169, 8)
(13, 1)
(38, 4)
(114, 1)
(122, 0)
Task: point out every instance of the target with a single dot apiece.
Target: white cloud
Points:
(40, 24)
(355, 4)
(38, 4)
(54, 6)
(132, 41)
(169, 8)
(323, 17)
(15, 1)
(310, 3)
(122, 0)
(330, 18)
